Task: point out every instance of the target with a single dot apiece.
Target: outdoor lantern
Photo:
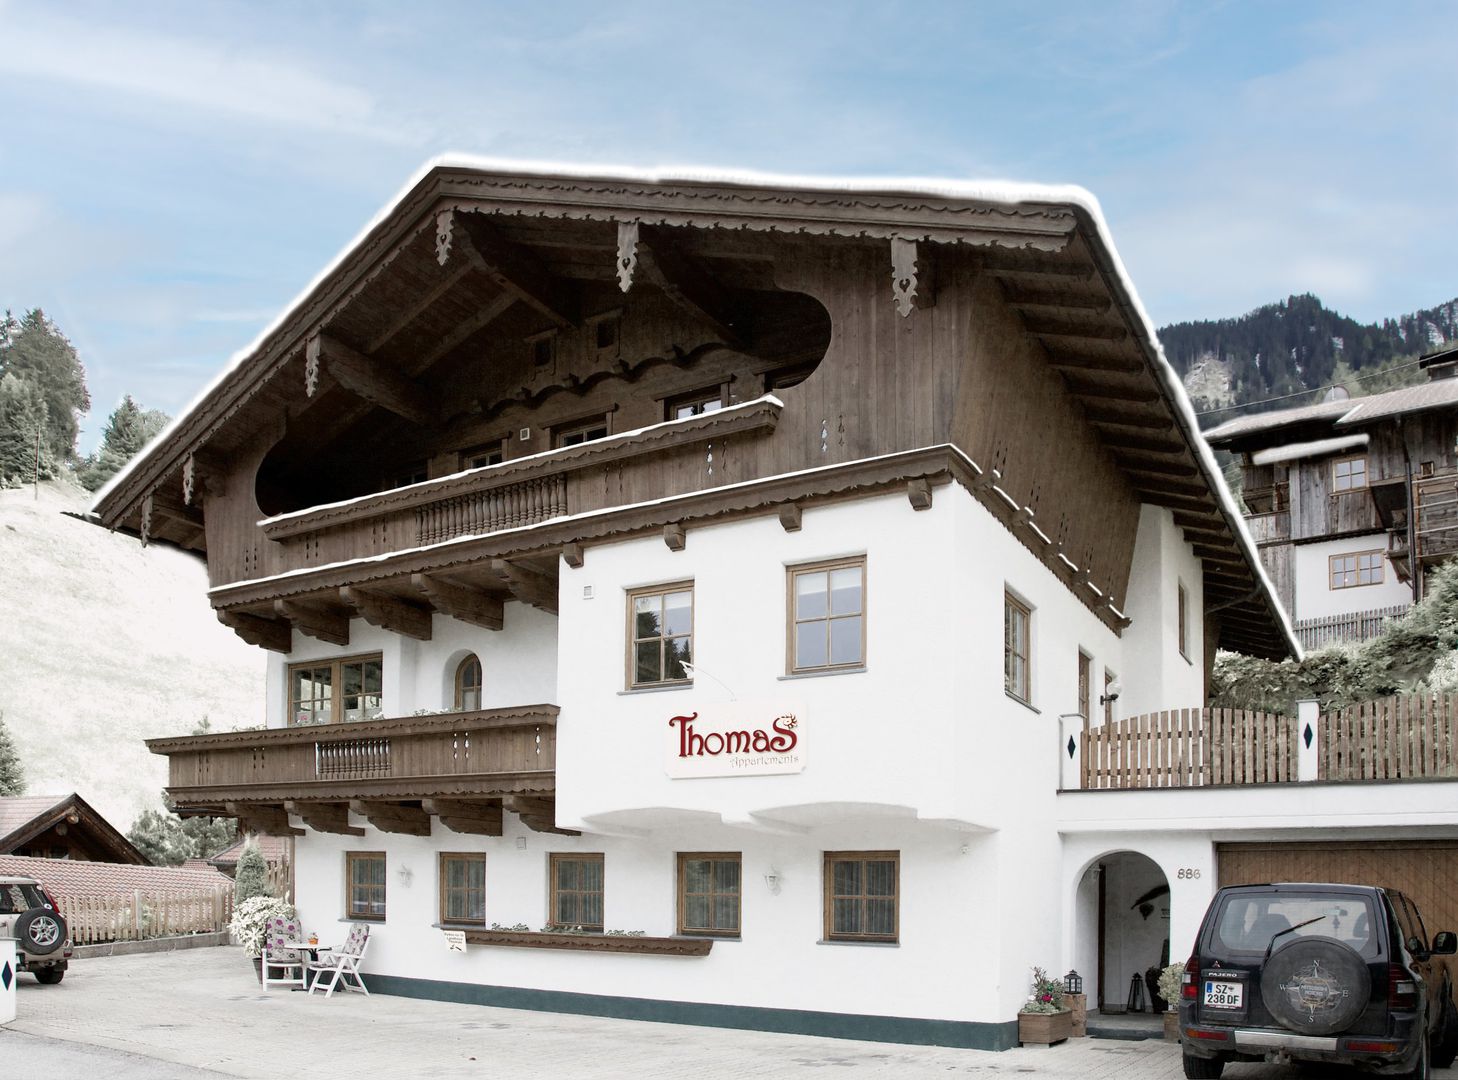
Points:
(1073, 982)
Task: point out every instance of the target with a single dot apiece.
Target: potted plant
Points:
(1043, 1020)
(1170, 980)
(250, 923)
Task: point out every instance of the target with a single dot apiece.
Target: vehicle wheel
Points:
(1316, 985)
(1445, 1046)
(41, 931)
(1198, 1068)
(51, 975)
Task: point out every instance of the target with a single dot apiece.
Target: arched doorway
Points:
(1123, 928)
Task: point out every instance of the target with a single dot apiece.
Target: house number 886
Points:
(1187, 873)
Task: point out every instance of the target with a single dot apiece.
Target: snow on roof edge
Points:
(1297, 451)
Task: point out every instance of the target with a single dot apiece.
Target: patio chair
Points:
(283, 966)
(341, 966)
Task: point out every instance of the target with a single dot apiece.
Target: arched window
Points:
(468, 684)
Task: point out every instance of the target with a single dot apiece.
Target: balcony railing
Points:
(1400, 738)
(451, 755)
(1266, 528)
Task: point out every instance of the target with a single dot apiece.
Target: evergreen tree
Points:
(12, 775)
(252, 877)
(23, 416)
(128, 429)
(167, 840)
(35, 351)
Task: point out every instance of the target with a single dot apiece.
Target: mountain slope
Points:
(1299, 344)
(103, 644)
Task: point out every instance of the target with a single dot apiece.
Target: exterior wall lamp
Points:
(406, 876)
(773, 880)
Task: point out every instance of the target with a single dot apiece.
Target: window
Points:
(577, 890)
(407, 475)
(492, 453)
(784, 378)
(462, 887)
(695, 404)
(1085, 683)
(827, 616)
(327, 691)
(708, 893)
(1015, 666)
(1348, 474)
(582, 432)
(660, 635)
(468, 684)
(1184, 616)
(1358, 568)
(861, 895)
(365, 878)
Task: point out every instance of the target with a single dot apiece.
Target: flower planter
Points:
(1044, 1029)
(1172, 1025)
(608, 943)
(258, 968)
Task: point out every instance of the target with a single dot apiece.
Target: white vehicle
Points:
(28, 915)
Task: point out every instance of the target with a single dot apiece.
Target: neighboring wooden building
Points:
(45, 827)
(734, 559)
(1352, 502)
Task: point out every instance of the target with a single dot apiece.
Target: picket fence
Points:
(139, 914)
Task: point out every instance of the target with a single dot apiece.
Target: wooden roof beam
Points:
(1088, 331)
(393, 817)
(419, 308)
(1164, 485)
(270, 820)
(388, 612)
(686, 282)
(478, 818)
(999, 263)
(1138, 395)
(468, 328)
(372, 379)
(517, 270)
(1155, 466)
(1173, 502)
(1023, 296)
(537, 814)
(1124, 440)
(325, 817)
(276, 635)
(527, 585)
(460, 602)
(316, 622)
(1102, 414)
(1077, 361)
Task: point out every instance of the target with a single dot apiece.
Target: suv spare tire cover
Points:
(41, 931)
(1316, 985)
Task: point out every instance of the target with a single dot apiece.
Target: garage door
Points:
(1427, 871)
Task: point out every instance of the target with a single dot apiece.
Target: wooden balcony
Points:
(1412, 737)
(1269, 528)
(464, 768)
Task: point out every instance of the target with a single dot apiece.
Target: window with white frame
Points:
(1016, 652)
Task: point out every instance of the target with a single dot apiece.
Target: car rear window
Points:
(1247, 923)
(15, 898)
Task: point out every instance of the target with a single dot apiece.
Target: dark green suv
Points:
(1339, 974)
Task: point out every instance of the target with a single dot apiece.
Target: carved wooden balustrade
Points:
(477, 512)
(461, 755)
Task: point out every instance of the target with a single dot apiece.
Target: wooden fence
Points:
(1189, 748)
(1354, 626)
(137, 915)
(1394, 738)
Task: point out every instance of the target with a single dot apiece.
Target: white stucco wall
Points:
(1315, 598)
(1155, 675)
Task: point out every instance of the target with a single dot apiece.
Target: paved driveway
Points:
(200, 1013)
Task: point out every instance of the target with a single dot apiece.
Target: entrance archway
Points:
(1123, 927)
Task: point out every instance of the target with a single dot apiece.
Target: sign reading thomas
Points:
(737, 738)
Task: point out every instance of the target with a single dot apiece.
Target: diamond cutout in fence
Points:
(1306, 736)
(6, 976)
(1072, 746)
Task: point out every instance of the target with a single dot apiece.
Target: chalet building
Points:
(763, 579)
(68, 827)
(1352, 501)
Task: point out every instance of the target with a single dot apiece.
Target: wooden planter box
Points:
(652, 946)
(1172, 1025)
(1044, 1029)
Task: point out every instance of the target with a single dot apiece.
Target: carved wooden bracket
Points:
(527, 585)
(445, 223)
(919, 492)
(573, 555)
(270, 820)
(375, 381)
(393, 817)
(790, 517)
(272, 634)
(911, 283)
(388, 612)
(627, 253)
(537, 814)
(477, 818)
(311, 367)
(325, 817)
(316, 622)
(459, 602)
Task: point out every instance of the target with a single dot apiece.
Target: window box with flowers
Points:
(1043, 1020)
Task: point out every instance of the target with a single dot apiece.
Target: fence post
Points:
(1308, 739)
(1070, 751)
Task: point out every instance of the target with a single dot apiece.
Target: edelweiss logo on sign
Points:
(740, 738)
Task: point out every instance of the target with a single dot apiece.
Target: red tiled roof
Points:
(72, 877)
(274, 849)
(17, 811)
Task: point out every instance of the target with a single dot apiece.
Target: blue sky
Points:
(172, 174)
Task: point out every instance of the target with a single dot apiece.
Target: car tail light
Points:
(1366, 1047)
(1401, 988)
(1190, 980)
